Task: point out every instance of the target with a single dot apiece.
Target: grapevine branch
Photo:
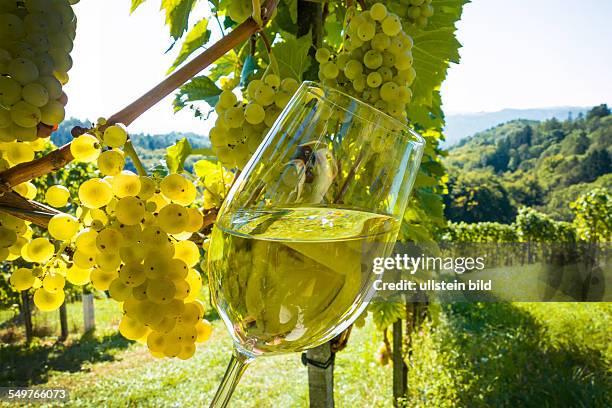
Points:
(62, 156)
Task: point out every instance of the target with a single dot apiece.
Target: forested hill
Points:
(544, 165)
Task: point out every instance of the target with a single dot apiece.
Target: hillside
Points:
(540, 164)
(460, 126)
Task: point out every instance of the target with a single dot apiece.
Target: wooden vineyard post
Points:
(27, 315)
(89, 320)
(320, 363)
(63, 315)
(400, 369)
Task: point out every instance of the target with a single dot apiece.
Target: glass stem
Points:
(235, 369)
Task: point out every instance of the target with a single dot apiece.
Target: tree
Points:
(593, 215)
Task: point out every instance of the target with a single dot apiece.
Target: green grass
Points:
(478, 355)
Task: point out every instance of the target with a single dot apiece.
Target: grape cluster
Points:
(375, 64)
(130, 237)
(416, 12)
(36, 39)
(242, 124)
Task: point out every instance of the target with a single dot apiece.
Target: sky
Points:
(516, 54)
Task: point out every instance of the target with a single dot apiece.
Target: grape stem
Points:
(273, 62)
(62, 156)
(33, 211)
(128, 149)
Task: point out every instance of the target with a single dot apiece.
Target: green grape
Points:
(147, 188)
(160, 290)
(204, 330)
(165, 325)
(5, 118)
(53, 113)
(178, 269)
(227, 99)
(10, 91)
(118, 291)
(61, 41)
(253, 86)
(234, 117)
(239, 10)
(353, 69)
(378, 11)
(322, 55)
(132, 275)
(101, 279)
(372, 59)
(254, 113)
(77, 276)
(85, 148)
(63, 227)
(403, 61)
(95, 193)
(188, 252)
(126, 184)
(140, 292)
(47, 301)
(289, 85)
(62, 60)
(192, 314)
(195, 221)
(111, 162)
(330, 70)
(54, 87)
(25, 114)
(83, 260)
(40, 250)
(35, 94)
(173, 218)
(129, 210)
(22, 279)
(366, 31)
(108, 261)
(109, 240)
(404, 94)
(391, 25)
(374, 79)
(19, 153)
(115, 136)
(23, 70)
(389, 92)
(381, 42)
(272, 80)
(195, 284)
(132, 329)
(174, 186)
(8, 237)
(11, 27)
(53, 282)
(156, 341)
(44, 63)
(38, 41)
(182, 289)
(264, 95)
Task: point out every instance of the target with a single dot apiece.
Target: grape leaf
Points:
(177, 154)
(386, 313)
(135, 4)
(248, 68)
(177, 15)
(225, 65)
(196, 38)
(200, 88)
(292, 55)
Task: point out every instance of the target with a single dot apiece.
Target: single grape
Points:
(109, 240)
(47, 301)
(22, 279)
(322, 55)
(373, 59)
(54, 87)
(35, 94)
(391, 25)
(85, 148)
(111, 162)
(374, 80)
(129, 210)
(63, 227)
(40, 250)
(23, 70)
(126, 184)
(160, 290)
(173, 218)
(78, 276)
(101, 279)
(54, 282)
(378, 11)
(10, 91)
(115, 136)
(118, 291)
(254, 113)
(25, 114)
(53, 113)
(95, 193)
(132, 329)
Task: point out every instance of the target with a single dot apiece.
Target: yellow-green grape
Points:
(195, 285)
(26, 190)
(140, 292)
(188, 252)
(373, 59)
(77, 276)
(129, 210)
(53, 86)
(204, 330)
(374, 79)
(133, 253)
(234, 116)
(174, 186)
(83, 260)
(53, 282)
(187, 351)
(131, 328)
(86, 241)
(196, 220)
(192, 314)
(227, 99)
(8, 237)
(35, 94)
(23, 70)
(391, 25)
(115, 135)
(160, 290)
(330, 70)
(378, 12)
(108, 261)
(272, 80)
(85, 148)
(254, 113)
(25, 114)
(101, 279)
(147, 188)
(178, 269)
(118, 291)
(48, 301)
(40, 250)
(95, 193)
(19, 153)
(109, 240)
(63, 227)
(111, 162)
(322, 55)
(22, 279)
(132, 275)
(173, 218)
(57, 196)
(156, 341)
(239, 10)
(126, 184)
(165, 325)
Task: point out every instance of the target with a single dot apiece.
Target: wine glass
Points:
(291, 252)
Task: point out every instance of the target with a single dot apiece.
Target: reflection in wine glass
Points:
(291, 252)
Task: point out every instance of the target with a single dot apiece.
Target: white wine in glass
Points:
(290, 258)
